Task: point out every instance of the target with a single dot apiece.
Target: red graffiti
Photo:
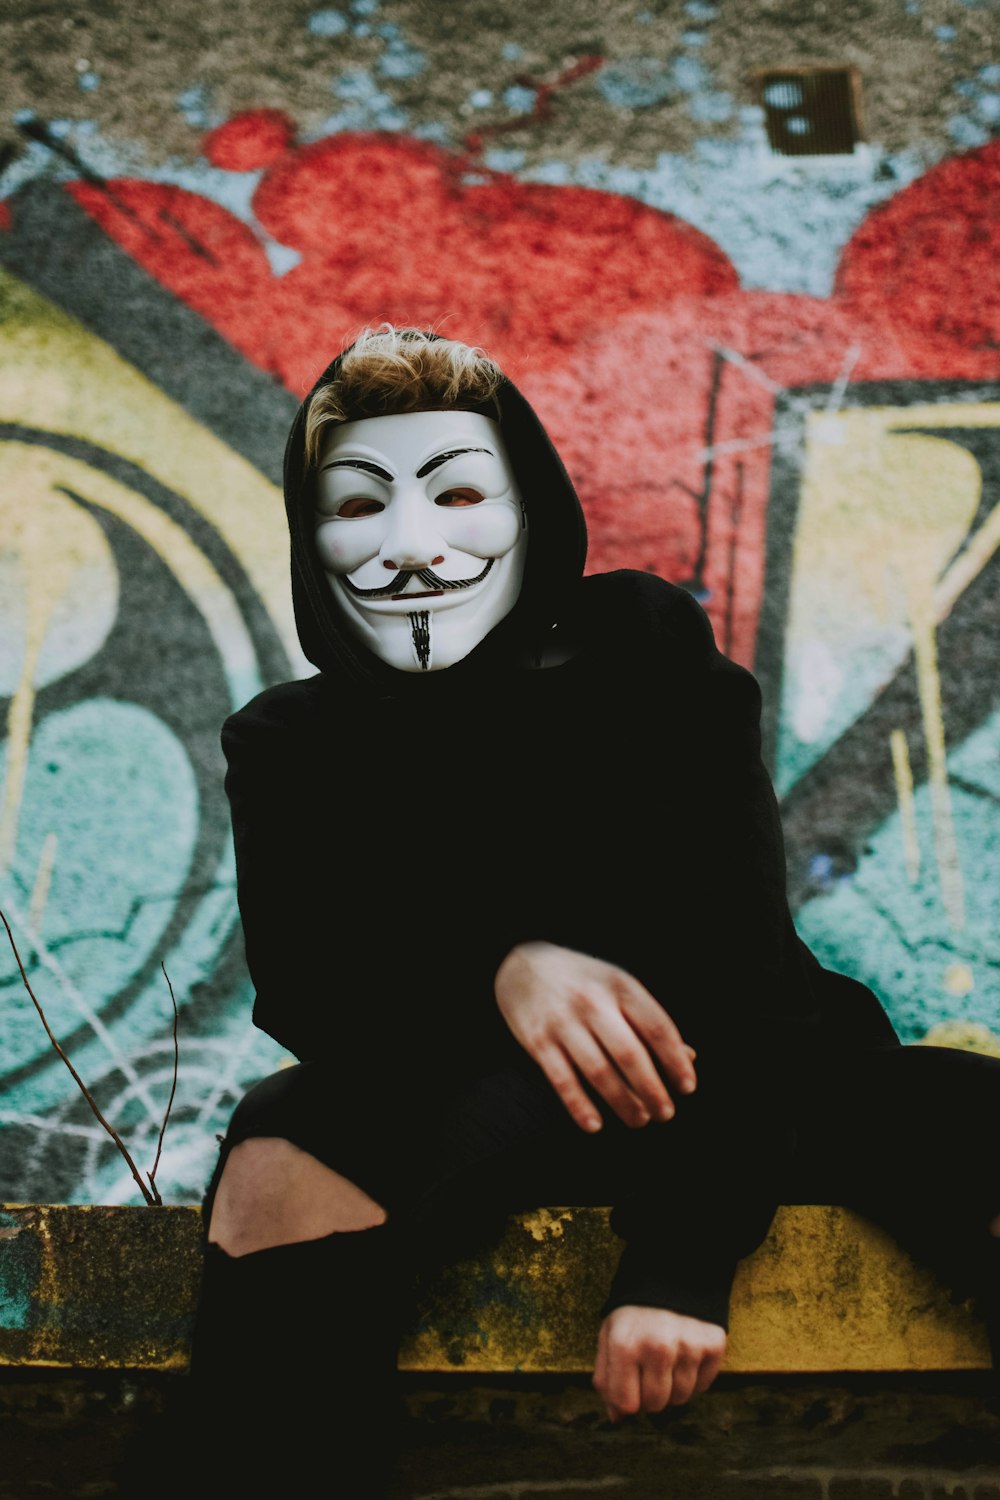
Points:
(925, 263)
(387, 228)
(655, 372)
(253, 139)
(541, 108)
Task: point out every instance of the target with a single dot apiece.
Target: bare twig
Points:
(173, 1087)
(150, 1193)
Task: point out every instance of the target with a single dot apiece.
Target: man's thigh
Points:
(491, 1137)
(908, 1137)
(451, 1166)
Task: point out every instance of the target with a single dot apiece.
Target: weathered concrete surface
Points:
(127, 67)
(517, 1438)
(99, 1288)
(742, 1440)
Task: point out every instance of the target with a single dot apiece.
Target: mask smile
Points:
(438, 586)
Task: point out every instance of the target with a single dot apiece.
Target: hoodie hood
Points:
(557, 551)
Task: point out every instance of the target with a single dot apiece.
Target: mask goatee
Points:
(420, 627)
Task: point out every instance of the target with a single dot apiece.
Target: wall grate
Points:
(811, 111)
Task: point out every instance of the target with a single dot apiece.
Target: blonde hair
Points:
(388, 370)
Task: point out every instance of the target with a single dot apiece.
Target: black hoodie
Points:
(397, 833)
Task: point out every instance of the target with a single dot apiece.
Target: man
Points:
(509, 866)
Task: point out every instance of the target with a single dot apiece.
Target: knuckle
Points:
(625, 1344)
(585, 1005)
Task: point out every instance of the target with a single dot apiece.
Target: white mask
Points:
(421, 532)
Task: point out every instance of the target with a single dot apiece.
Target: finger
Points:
(657, 1383)
(624, 1392)
(630, 1056)
(685, 1380)
(653, 1023)
(601, 1072)
(552, 1060)
(710, 1367)
(600, 1381)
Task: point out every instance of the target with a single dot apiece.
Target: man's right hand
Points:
(572, 1012)
(649, 1358)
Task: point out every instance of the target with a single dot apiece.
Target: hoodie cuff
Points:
(648, 1279)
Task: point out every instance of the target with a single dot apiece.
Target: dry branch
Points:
(150, 1193)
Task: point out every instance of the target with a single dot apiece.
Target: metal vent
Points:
(811, 111)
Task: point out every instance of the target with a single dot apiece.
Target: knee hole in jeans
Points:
(271, 1192)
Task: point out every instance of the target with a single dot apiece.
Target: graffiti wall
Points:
(774, 380)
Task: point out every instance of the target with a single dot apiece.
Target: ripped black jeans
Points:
(294, 1348)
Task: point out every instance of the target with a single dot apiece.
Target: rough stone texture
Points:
(67, 1435)
(759, 369)
(244, 55)
(109, 1287)
(740, 1441)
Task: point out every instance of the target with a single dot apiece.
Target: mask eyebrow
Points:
(442, 458)
(358, 463)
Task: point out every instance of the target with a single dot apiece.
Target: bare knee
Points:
(273, 1193)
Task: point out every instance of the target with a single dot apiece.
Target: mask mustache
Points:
(426, 576)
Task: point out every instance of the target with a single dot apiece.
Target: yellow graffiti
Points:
(959, 980)
(42, 475)
(936, 486)
(58, 376)
(43, 881)
(971, 1036)
(904, 796)
(882, 553)
(58, 603)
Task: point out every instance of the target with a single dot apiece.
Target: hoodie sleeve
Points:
(691, 893)
(688, 1219)
(284, 906)
(329, 938)
(707, 929)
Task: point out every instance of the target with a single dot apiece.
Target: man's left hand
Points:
(649, 1358)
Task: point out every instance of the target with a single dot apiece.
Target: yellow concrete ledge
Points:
(96, 1287)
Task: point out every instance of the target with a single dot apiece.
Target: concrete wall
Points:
(774, 379)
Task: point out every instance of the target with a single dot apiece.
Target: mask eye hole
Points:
(360, 505)
(459, 497)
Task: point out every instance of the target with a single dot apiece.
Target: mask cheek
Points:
(483, 531)
(343, 547)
